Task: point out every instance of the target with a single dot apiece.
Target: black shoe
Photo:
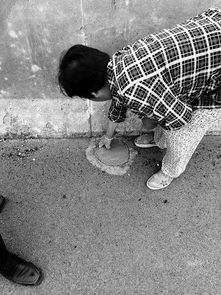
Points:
(20, 271)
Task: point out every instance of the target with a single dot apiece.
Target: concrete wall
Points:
(34, 32)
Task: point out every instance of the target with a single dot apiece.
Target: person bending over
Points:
(170, 79)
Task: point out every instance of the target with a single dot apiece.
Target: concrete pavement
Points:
(94, 233)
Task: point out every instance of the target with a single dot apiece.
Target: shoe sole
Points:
(147, 145)
(154, 188)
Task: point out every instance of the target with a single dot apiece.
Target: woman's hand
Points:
(105, 141)
(108, 137)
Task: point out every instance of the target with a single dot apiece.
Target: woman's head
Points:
(82, 70)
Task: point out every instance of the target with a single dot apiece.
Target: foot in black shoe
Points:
(20, 271)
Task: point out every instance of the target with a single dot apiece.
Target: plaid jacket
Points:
(167, 75)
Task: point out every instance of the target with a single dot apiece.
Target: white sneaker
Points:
(159, 181)
(145, 141)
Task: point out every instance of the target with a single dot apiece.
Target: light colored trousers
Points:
(181, 144)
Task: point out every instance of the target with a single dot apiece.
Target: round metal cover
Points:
(117, 155)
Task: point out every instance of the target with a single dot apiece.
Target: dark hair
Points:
(82, 70)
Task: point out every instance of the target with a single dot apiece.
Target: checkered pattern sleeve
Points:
(159, 103)
(117, 110)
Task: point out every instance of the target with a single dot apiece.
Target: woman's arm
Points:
(110, 129)
(107, 138)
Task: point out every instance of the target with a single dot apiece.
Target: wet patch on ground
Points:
(102, 159)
